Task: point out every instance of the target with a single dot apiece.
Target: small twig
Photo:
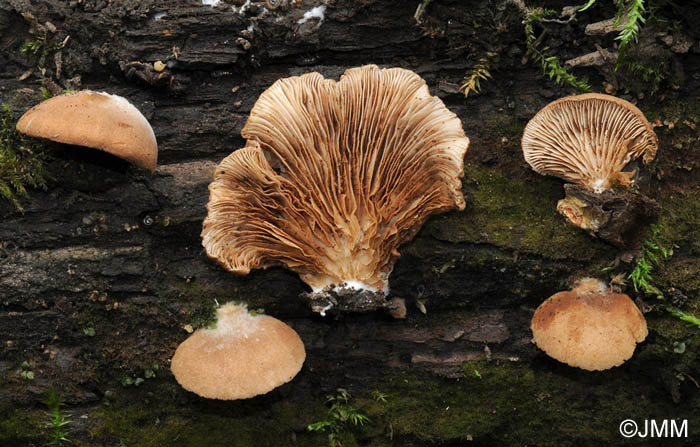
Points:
(421, 10)
(693, 380)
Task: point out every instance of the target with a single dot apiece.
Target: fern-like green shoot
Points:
(685, 316)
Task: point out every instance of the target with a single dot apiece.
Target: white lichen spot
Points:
(242, 9)
(314, 13)
(160, 15)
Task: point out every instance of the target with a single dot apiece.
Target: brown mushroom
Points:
(588, 139)
(589, 327)
(244, 356)
(334, 177)
(97, 120)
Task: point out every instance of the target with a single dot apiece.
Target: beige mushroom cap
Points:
(244, 356)
(589, 327)
(97, 120)
(588, 139)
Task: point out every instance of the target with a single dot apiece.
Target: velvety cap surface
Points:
(589, 327)
(245, 355)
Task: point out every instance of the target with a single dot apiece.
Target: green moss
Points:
(21, 161)
(164, 414)
(679, 231)
(248, 290)
(201, 300)
(683, 274)
(20, 426)
(679, 222)
(510, 404)
(504, 125)
(514, 214)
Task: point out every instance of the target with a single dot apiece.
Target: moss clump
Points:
(20, 426)
(679, 231)
(515, 404)
(164, 414)
(679, 222)
(21, 161)
(513, 214)
(504, 125)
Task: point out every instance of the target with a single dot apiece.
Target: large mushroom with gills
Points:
(334, 177)
(589, 327)
(97, 120)
(243, 356)
(589, 140)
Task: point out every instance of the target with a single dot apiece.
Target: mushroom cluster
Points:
(334, 177)
(590, 326)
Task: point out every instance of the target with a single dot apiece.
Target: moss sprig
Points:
(58, 421)
(551, 65)
(22, 161)
(633, 11)
(480, 72)
(652, 253)
(341, 412)
(685, 316)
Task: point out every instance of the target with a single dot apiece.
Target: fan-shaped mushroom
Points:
(245, 355)
(334, 177)
(590, 327)
(588, 139)
(97, 120)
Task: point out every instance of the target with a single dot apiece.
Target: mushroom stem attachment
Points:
(620, 218)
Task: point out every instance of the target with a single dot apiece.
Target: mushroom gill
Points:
(334, 177)
(588, 139)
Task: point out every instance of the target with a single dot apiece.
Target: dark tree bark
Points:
(101, 273)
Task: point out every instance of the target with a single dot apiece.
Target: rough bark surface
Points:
(101, 273)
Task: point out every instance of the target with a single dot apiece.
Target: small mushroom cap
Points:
(97, 120)
(244, 356)
(589, 327)
(588, 139)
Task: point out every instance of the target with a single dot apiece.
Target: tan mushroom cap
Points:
(588, 139)
(244, 356)
(589, 327)
(335, 176)
(97, 120)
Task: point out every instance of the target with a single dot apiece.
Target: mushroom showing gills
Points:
(588, 139)
(589, 327)
(97, 120)
(244, 356)
(334, 177)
